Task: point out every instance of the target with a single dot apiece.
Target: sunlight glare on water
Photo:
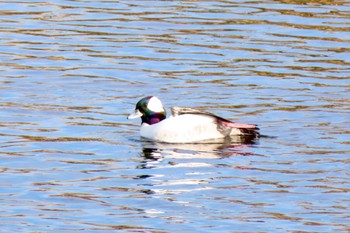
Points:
(72, 70)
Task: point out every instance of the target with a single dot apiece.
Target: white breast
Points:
(182, 129)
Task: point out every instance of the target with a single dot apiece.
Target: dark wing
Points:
(180, 111)
(224, 126)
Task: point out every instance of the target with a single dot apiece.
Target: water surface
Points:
(71, 71)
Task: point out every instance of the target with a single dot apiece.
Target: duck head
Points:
(150, 109)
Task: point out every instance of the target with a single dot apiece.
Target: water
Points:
(71, 71)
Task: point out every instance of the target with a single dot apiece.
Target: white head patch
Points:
(155, 105)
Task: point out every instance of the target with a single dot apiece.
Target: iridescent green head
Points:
(150, 109)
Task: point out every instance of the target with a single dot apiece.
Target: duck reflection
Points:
(180, 168)
(151, 155)
(221, 148)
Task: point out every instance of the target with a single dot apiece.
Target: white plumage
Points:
(186, 125)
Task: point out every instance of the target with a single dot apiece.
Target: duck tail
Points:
(245, 129)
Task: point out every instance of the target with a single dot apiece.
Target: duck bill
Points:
(136, 114)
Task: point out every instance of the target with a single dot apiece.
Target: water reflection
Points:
(71, 69)
(186, 155)
(220, 148)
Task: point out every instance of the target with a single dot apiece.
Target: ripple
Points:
(73, 70)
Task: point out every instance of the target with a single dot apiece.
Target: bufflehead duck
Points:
(186, 125)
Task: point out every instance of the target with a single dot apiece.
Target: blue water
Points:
(71, 71)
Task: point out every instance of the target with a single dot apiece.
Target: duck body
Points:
(182, 129)
(186, 125)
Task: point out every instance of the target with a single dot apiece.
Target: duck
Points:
(185, 125)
